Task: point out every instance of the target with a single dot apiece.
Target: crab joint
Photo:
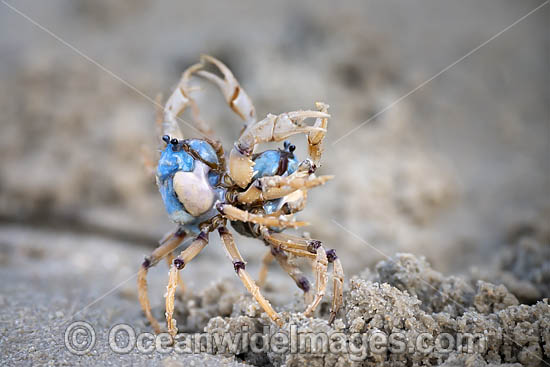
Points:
(258, 184)
(331, 255)
(219, 208)
(179, 263)
(203, 236)
(303, 284)
(223, 230)
(313, 245)
(146, 263)
(238, 266)
(276, 250)
(308, 165)
(286, 209)
(242, 149)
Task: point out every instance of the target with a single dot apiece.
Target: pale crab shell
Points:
(194, 190)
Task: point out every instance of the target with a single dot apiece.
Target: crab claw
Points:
(291, 123)
(272, 128)
(234, 95)
(277, 128)
(240, 167)
(178, 102)
(315, 139)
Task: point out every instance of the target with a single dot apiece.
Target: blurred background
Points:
(457, 171)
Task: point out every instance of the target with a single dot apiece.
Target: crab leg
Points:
(288, 242)
(178, 102)
(313, 249)
(149, 157)
(293, 271)
(279, 127)
(321, 264)
(303, 245)
(234, 94)
(315, 139)
(274, 187)
(169, 259)
(266, 261)
(168, 244)
(218, 148)
(293, 203)
(234, 213)
(272, 128)
(239, 265)
(179, 263)
(337, 284)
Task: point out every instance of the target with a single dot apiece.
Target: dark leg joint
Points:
(313, 245)
(180, 232)
(243, 150)
(219, 207)
(146, 263)
(202, 236)
(308, 163)
(286, 209)
(331, 255)
(179, 263)
(238, 265)
(276, 251)
(258, 184)
(223, 230)
(231, 196)
(303, 284)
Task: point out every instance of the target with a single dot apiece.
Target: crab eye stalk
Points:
(166, 138)
(174, 141)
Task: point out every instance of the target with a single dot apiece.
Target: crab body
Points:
(176, 167)
(275, 162)
(196, 205)
(258, 193)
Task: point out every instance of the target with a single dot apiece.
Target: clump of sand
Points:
(405, 297)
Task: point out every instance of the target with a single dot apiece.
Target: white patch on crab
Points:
(194, 190)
